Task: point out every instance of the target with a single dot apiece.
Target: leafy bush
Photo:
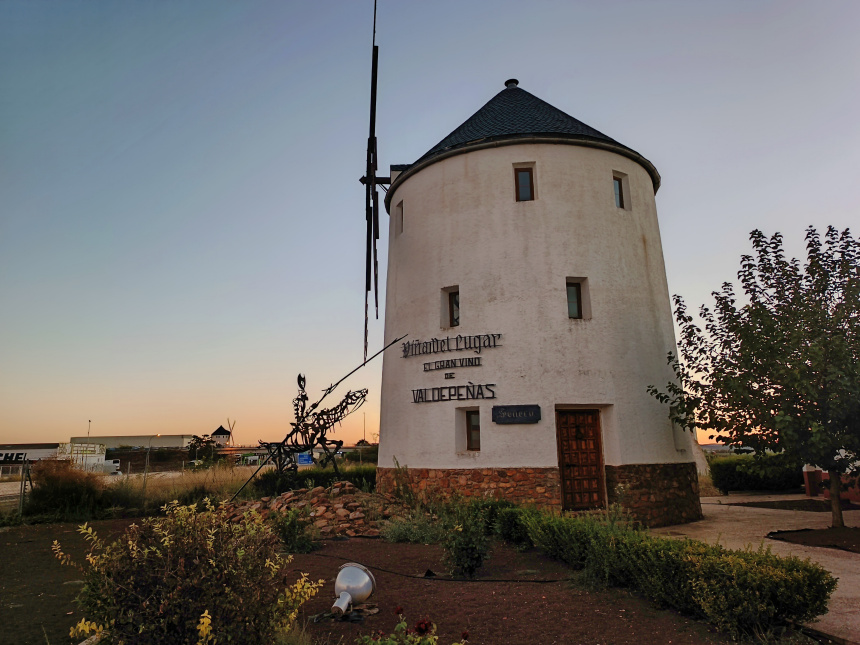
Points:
(189, 577)
(465, 543)
(740, 592)
(415, 528)
(294, 529)
(69, 492)
(511, 527)
(271, 483)
(366, 454)
(746, 472)
(489, 510)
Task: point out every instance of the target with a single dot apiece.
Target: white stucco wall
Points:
(462, 226)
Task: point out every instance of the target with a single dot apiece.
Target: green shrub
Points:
(270, 483)
(294, 529)
(189, 577)
(511, 528)
(415, 528)
(62, 489)
(746, 472)
(745, 591)
(488, 510)
(465, 543)
(740, 592)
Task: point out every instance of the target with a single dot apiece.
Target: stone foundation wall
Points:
(656, 494)
(539, 486)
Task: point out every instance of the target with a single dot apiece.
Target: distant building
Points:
(18, 453)
(138, 441)
(221, 435)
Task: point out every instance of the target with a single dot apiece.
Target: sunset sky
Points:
(181, 222)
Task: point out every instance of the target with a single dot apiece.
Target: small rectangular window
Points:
(619, 192)
(454, 308)
(578, 299)
(574, 300)
(473, 430)
(621, 189)
(525, 184)
(398, 219)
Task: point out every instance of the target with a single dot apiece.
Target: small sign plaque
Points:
(305, 459)
(516, 414)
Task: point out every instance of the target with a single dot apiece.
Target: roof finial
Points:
(511, 82)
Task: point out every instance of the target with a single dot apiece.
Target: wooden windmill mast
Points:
(371, 199)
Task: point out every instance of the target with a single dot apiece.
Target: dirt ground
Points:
(517, 597)
(846, 538)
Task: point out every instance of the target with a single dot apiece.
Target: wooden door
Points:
(580, 458)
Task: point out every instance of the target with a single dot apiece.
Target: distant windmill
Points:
(371, 197)
(231, 439)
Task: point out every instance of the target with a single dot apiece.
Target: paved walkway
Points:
(738, 526)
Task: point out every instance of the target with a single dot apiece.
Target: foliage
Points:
(363, 454)
(465, 543)
(417, 528)
(746, 472)
(187, 577)
(488, 510)
(740, 592)
(423, 633)
(511, 527)
(294, 529)
(270, 482)
(780, 370)
(62, 489)
(203, 448)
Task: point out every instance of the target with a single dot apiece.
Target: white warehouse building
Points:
(526, 267)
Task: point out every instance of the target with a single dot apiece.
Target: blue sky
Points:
(181, 223)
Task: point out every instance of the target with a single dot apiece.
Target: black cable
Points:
(406, 575)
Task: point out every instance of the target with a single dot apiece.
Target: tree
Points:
(779, 370)
(202, 448)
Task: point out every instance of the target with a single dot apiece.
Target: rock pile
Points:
(340, 510)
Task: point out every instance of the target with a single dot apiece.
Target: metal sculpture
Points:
(310, 429)
(311, 425)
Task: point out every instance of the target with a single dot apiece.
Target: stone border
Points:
(539, 486)
(655, 494)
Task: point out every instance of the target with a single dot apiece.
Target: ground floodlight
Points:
(354, 583)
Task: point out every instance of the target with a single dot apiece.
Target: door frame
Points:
(602, 466)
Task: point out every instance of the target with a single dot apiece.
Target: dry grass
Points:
(706, 487)
(217, 483)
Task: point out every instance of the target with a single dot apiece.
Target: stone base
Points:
(539, 486)
(656, 494)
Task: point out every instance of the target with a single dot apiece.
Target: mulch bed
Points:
(846, 538)
(504, 605)
(516, 598)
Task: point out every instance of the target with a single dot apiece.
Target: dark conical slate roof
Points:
(514, 114)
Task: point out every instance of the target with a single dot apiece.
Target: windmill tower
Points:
(526, 267)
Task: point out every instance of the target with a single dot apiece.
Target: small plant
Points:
(189, 577)
(465, 544)
(422, 633)
(294, 529)
(416, 528)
